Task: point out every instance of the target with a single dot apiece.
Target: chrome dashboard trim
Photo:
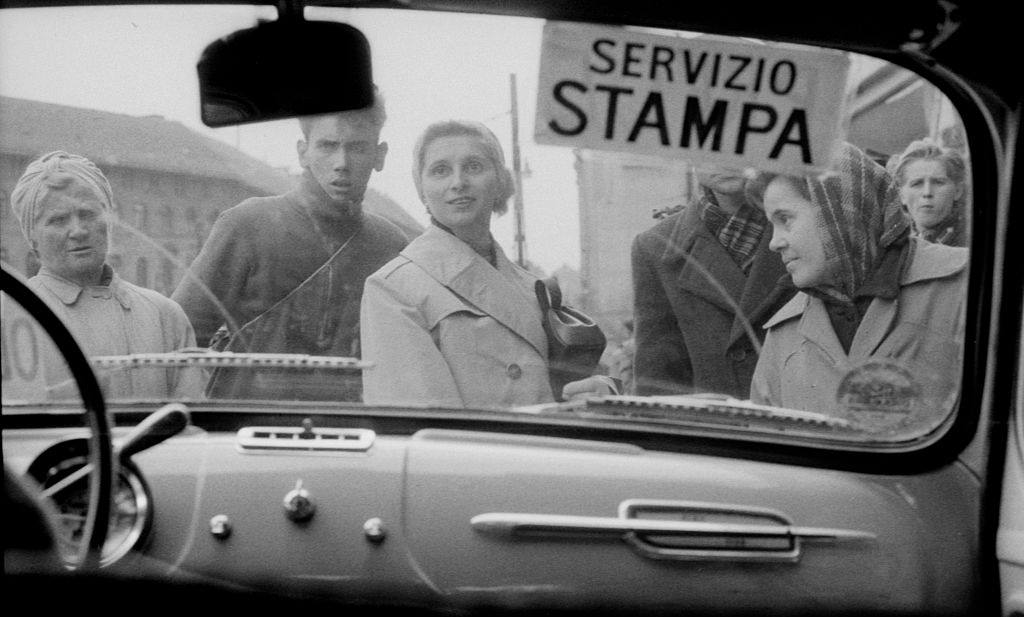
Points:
(255, 439)
(769, 538)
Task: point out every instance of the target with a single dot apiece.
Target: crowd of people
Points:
(767, 287)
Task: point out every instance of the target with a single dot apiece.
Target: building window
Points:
(170, 267)
(143, 217)
(167, 220)
(142, 272)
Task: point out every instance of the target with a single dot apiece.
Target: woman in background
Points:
(932, 186)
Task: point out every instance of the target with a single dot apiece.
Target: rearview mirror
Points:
(284, 69)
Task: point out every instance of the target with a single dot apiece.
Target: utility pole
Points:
(520, 234)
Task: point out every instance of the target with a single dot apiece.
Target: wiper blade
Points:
(690, 409)
(205, 358)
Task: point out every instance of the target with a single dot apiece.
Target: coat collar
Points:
(927, 262)
(504, 293)
(933, 261)
(68, 292)
(706, 270)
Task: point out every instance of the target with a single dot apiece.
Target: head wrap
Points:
(859, 217)
(41, 173)
(491, 146)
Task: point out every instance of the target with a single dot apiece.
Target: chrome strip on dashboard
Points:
(291, 438)
(211, 359)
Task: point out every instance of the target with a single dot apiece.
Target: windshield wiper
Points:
(206, 358)
(713, 410)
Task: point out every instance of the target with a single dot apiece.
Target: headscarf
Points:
(491, 146)
(860, 218)
(31, 187)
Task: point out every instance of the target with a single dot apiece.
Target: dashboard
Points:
(501, 518)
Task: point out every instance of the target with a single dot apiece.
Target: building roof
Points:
(30, 128)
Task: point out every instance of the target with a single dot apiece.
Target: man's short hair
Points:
(375, 112)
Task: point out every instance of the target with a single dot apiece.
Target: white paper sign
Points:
(736, 104)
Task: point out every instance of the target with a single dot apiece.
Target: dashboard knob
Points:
(220, 526)
(375, 530)
(298, 504)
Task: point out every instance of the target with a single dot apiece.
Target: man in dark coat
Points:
(285, 274)
(704, 284)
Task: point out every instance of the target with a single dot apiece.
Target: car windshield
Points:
(743, 235)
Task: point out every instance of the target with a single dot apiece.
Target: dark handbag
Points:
(575, 342)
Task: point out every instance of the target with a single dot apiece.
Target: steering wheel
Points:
(101, 456)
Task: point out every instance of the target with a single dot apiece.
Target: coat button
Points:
(514, 371)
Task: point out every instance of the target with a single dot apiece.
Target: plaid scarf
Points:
(738, 233)
(950, 232)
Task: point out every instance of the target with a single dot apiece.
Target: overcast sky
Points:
(141, 61)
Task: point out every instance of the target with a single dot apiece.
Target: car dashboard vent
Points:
(304, 439)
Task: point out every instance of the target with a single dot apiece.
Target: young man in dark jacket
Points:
(285, 274)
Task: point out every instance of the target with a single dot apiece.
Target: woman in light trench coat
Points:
(451, 321)
(876, 334)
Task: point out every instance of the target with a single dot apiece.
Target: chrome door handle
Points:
(508, 523)
(672, 539)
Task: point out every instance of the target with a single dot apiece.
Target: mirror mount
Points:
(285, 68)
(290, 10)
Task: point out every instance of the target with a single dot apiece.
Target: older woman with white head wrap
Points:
(63, 204)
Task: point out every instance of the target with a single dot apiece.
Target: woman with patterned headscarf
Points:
(875, 335)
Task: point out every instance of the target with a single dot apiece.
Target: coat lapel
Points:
(705, 268)
(816, 327)
(927, 262)
(501, 293)
(762, 290)
(874, 326)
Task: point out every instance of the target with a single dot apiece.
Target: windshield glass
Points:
(744, 234)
